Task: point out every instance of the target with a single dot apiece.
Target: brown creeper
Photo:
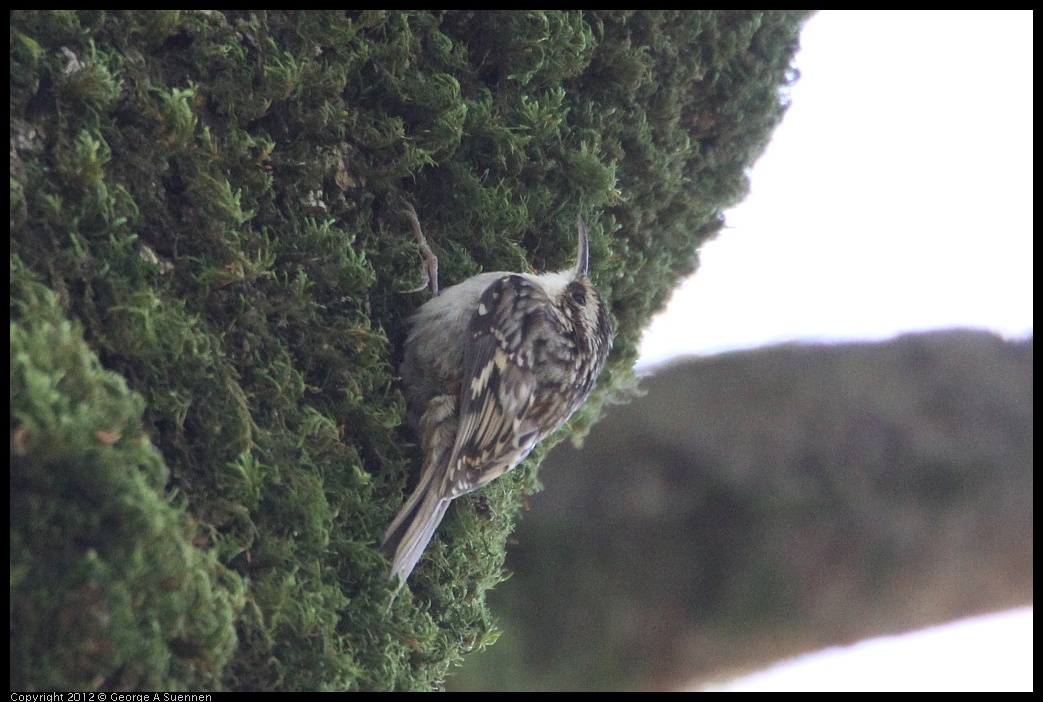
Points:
(492, 366)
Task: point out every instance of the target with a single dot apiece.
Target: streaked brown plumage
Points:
(492, 366)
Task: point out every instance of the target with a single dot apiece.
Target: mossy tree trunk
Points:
(207, 254)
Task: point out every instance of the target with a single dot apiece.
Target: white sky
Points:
(896, 196)
(960, 657)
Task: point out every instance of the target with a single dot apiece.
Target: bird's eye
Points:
(579, 296)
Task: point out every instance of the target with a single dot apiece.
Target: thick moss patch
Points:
(207, 236)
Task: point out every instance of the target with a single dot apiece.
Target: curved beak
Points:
(582, 249)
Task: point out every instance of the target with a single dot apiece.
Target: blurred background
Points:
(756, 505)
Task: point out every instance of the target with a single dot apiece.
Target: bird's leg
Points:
(430, 260)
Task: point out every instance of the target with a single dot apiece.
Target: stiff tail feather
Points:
(409, 534)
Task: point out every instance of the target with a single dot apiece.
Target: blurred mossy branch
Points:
(759, 505)
(207, 251)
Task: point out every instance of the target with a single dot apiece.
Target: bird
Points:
(492, 366)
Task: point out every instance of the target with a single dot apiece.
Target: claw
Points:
(430, 260)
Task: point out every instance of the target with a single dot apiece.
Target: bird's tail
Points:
(408, 536)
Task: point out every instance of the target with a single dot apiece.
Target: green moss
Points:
(108, 586)
(215, 199)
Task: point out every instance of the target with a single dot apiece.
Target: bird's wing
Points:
(499, 385)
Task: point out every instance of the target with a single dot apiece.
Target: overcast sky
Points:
(896, 195)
